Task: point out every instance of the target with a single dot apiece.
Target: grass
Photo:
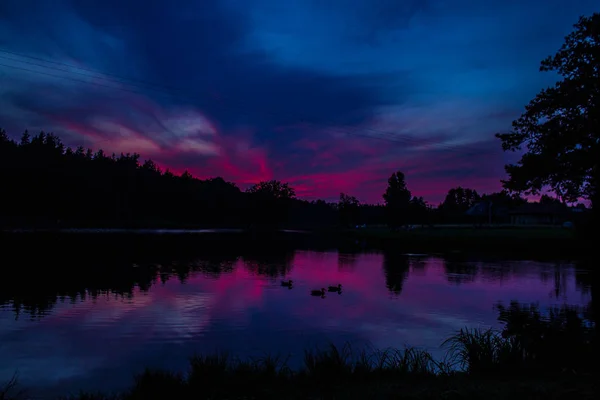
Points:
(478, 364)
(11, 391)
(340, 373)
(329, 373)
(497, 239)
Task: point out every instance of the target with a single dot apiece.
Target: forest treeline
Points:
(47, 184)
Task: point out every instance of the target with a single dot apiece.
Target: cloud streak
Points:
(327, 97)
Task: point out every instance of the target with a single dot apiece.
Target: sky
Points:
(330, 96)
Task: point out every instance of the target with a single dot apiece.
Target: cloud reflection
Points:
(387, 300)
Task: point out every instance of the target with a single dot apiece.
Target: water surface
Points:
(95, 330)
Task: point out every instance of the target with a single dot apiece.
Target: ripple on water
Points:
(239, 305)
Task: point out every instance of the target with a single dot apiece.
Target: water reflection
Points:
(347, 262)
(274, 265)
(67, 320)
(395, 269)
(459, 272)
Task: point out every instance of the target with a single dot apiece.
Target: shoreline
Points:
(546, 242)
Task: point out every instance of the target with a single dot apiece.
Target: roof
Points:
(480, 208)
(537, 208)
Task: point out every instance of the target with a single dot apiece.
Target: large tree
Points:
(349, 210)
(397, 199)
(270, 202)
(560, 128)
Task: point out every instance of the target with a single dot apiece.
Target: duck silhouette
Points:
(318, 292)
(287, 283)
(337, 288)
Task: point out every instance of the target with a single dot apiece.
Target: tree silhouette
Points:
(349, 210)
(456, 204)
(270, 203)
(419, 211)
(46, 184)
(397, 199)
(505, 199)
(560, 128)
(545, 199)
(273, 189)
(25, 138)
(460, 199)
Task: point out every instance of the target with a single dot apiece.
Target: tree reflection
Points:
(418, 263)
(395, 268)
(35, 289)
(270, 262)
(501, 270)
(347, 261)
(459, 271)
(587, 276)
(34, 282)
(214, 267)
(557, 339)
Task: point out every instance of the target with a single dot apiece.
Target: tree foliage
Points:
(419, 211)
(397, 199)
(349, 210)
(44, 183)
(273, 189)
(548, 200)
(560, 128)
(460, 199)
(396, 193)
(270, 202)
(504, 199)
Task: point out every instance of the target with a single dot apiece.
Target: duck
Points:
(337, 288)
(287, 283)
(318, 292)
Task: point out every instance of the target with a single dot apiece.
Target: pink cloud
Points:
(361, 166)
(321, 162)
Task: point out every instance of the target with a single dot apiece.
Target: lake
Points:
(93, 327)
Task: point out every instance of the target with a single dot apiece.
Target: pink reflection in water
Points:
(386, 301)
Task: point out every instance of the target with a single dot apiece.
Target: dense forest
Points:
(47, 184)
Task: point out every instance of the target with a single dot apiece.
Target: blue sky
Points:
(330, 96)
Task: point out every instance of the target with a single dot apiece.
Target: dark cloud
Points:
(195, 46)
(192, 49)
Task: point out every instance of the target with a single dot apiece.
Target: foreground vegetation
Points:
(535, 356)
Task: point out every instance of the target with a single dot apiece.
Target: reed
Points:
(478, 363)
